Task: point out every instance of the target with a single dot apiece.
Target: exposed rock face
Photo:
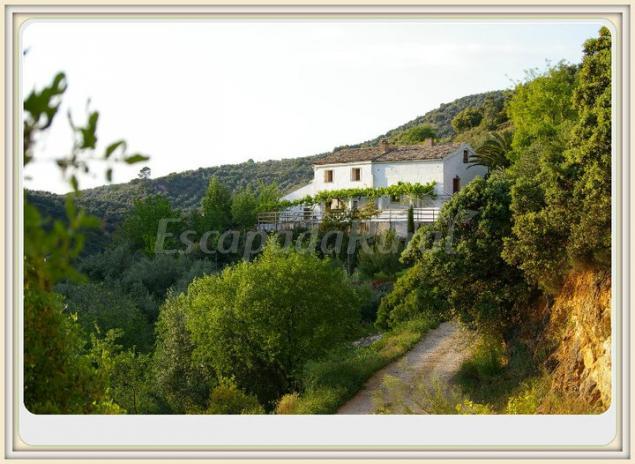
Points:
(580, 325)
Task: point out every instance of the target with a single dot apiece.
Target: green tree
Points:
(141, 226)
(416, 135)
(561, 195)
(98, 306)
(541, 108)
(59, 375)
(469, 118)
(588, 158)
(178, 380)
(259, 322)
(128, 373)
(244, 208)
(268, 196)
(411, 220)
(381, 261)
(494, 111)
(461, 269)
(216, 206)
(494, 152)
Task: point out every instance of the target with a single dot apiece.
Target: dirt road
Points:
(436, 358)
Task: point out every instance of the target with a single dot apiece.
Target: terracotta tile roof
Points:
(403, 153)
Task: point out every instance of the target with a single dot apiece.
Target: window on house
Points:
(328, 175)
(354, 205)
(356, 174)
(456, 184)
(395, 198)
(466, 156)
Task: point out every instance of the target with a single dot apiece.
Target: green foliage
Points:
(259, 322)
(382, 259)
(60, 375)
(463, 267)
(40, 109)
(179, 381)
(142, 224)
(415, 135)
(561, 197)
(216, 206)
(329, 382)
(268, 196)
(407, 189)
(541, 109)
(227, 398)
(105, 308)
(529, 396)
(589, 156)
(469, 118)
(495, 372)
(494, 111)
(494, 152)
(417, 293)
(411, 220)
(244, 208)
(128, 373)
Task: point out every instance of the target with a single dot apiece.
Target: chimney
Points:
(385, 145)
(428, 142)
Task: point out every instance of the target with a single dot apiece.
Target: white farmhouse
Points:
(447, 164)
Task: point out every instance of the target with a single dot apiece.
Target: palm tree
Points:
(493, 152)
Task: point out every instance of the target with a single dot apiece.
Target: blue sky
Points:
(203, 93)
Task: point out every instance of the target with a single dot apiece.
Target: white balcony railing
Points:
(421, 215)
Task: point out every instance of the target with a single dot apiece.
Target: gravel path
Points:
(436, 358)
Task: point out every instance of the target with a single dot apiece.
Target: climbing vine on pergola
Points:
(411, 190)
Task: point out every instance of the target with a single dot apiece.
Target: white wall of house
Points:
(342, 176)
(300, 193)
(453, 166)
(391, 173)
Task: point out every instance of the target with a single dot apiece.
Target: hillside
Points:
(185, 189)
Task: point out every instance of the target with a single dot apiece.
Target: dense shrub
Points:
(462, 270)
(226, 398)
(416, 293)
(59, 375)
(467, 119)
(381, 261)
(142, 223)
(179, 381)
(415, 135)
(259, 322)
(100, 307)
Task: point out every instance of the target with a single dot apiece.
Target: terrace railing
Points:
(272, 219)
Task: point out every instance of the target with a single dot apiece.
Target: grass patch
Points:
(492, 374)
(329, 382)
(512, 383)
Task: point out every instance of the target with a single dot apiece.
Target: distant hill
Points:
(439, 118)
(185, 189)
